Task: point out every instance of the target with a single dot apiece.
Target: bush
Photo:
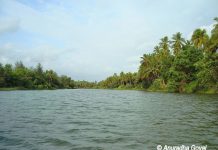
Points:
(172, 86)
(191, 87)
(158, 85)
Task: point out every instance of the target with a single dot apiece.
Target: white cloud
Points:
(6, 52)
(208, 28)
(90, 40)
(8, 25)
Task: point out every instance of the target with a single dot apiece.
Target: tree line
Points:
(176, 65)
(32, 78)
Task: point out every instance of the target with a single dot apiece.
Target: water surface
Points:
(105, 119)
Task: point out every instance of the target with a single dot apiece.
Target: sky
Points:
(92, 39)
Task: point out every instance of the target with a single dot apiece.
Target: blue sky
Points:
(92, 39)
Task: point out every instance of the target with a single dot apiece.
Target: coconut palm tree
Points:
(149, 68)
(156, 49)
(165, 47)
(200, 38)
(213, 42)
(177, 43)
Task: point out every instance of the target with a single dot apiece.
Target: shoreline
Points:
(208, 92)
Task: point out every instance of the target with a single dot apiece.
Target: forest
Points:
(176, 65)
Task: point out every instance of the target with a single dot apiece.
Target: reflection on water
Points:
(106, 119)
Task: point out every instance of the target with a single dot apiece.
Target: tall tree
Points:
(165, 47)
(2, 79)
(39, 69)
(19, 65)
(149, 69)
(213, 42)
(8, 75)
(177, 43)
(200, 38)
(156, 49)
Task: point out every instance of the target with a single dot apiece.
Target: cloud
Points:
(208, 28)
(8, 25)
(5, 50)
(92, 39)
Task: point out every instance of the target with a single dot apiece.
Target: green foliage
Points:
(149, 69)
(193, 67)
(172, 86)
(191, 87)
(213, 42)
(157, 85)
(184, 64)
(122, 81)
(177, 43)
(85, 84)
(176, 65)
(28, 78)
(200, 38)
(207, 76)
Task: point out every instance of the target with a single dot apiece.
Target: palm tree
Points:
(177, 43)
(200, 38)
(156, 49)
(149, 68)
(144, 61)
(164, 45)
(213, 42)
(188, 43)
(122, 75)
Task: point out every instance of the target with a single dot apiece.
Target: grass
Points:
(12, 88)
(22, 88)
(208, 91)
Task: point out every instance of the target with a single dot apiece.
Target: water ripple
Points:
(105, 119)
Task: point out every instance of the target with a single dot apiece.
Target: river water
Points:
(106, 119)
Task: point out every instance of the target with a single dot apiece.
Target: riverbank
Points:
(12, 89)
(158, 91)
(203, 91)
(22, 88)
(210, 91)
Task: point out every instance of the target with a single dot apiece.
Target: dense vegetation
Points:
(176, 65)
(20, 76)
